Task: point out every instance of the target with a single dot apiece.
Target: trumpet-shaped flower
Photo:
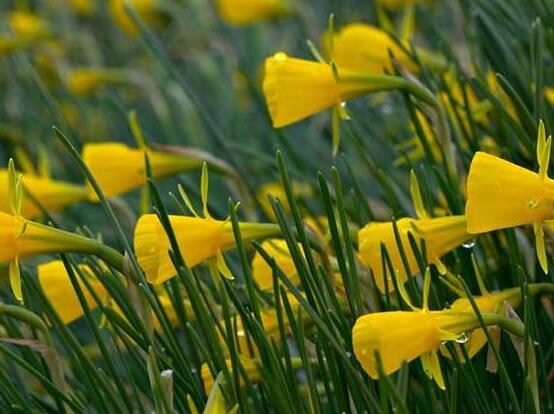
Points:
(366, 49)
(441, 235)
(295, 89)
(28, 25)
(244, 12)
(52, 195)
(148, 11)
(119, 168)
(403, 336)
(85, 81)
(57, 287)
(198, 239)
(263, 272)
(501, 194)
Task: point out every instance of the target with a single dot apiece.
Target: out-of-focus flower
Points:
(501, 194)
(198, 238)
(295, 89)
(83, 82)
(119, 168)
(276, 190)
(263, 272)
(549, 95)
(28, 25)
(148, 10)
(51, 194)
(244, 12)
(441, 235)
(57, 287)
(250, 366)
(364, 48)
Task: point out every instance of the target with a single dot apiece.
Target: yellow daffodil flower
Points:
(148, 11)
(119, 168)
(244, 12)
(199, 238)
(28, 25)
(441, 235)
(263, 272)
(403, 336)
(295, 89)
(52, 195)
(364, 48)
(502, 194)
(57, 287)
(85, 81)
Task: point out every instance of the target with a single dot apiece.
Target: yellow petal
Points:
(53, 195)
(278, 251)
(295, 89)
(243, 12)
(502, 194)
(118, 168)
(57, 287)
(198, 238)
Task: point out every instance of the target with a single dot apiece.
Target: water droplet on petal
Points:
(462, 338)
(469, 244)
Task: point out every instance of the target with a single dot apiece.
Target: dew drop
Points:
(462, 338)
(469, 244)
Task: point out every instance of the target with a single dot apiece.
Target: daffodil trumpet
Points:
(501, 194)
(23, 238)
(295, 89)
(403, 336)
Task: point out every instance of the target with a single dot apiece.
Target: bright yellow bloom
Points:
(487, 303)
(396, 4)
(502, 194)
(441, 235)
(20, 238)
(263, 272)
(53, 195)
(365, 48)
(28, 25)
(198, 238)
(295, 89)
(57, 287)
(244, 12)
(148, 11)
(83, 82)
(119, 168)
(402, 336)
